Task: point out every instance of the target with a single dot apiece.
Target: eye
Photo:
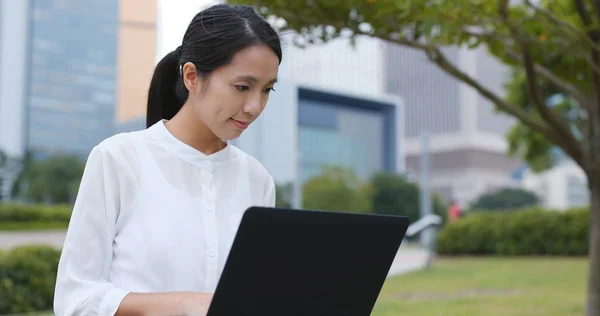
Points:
(242, 88)
(268, 90)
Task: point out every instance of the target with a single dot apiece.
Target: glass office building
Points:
(304, 129)
(336, 130)
(71, 92)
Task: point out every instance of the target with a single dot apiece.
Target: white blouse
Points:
(153, 215)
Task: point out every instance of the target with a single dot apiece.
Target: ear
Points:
(190, 77)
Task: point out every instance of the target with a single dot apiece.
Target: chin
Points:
(231, 135)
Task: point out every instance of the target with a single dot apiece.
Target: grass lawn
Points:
(489, 286)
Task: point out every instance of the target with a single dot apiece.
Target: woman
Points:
(158, 209)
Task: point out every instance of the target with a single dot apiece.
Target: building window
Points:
(577, 192)
(336, 135)
(542, 192)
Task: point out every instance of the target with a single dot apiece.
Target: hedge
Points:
(522, 232)
(33, 216)
(27, 279)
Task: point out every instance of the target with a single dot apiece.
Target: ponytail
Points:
(167, 93)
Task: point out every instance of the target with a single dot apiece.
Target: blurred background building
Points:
(466, 138)
(69, 70)
(306, 128)
(14, 38)
(467, 144)
(136, 56)
(75, 72)
(560, 188)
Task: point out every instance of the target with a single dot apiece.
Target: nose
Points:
(253, 106)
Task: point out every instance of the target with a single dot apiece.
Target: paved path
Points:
(408, 259)
(53, 238)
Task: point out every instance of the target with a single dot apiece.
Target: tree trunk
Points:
(593, 286)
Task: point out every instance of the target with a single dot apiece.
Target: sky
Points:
(174, 16)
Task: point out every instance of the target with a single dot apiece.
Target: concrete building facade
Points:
(466, 137)
(305, 128)
(467, 145)
(136, 56)
(562, 187)
(68, 70)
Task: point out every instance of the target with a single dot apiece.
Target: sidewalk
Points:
(408, 260)
(12, 239)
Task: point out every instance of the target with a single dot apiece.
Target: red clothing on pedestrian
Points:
(454, 212)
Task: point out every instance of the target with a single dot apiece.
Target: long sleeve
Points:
(270, 196)
(82, 285)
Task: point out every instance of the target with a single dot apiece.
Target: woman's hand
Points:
(161, 304)
(197, 304)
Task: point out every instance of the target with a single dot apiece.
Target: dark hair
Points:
(212, 38)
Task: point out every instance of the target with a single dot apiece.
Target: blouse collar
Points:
(160, 133)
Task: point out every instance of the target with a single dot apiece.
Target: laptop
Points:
(305, 262)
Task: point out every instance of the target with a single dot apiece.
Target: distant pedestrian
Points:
(454, 212)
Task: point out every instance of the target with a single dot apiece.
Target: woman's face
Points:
(233, 96)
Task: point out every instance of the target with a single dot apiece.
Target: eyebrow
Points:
(253, 79)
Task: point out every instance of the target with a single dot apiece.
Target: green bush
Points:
(27, 279)
(394, 194)
(522, 232)
(336, 189)
(504, 200)
(21, 216)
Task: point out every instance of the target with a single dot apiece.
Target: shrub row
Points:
(27, 279)
(24, 213)
(522, 232)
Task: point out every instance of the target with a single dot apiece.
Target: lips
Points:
(240, 124)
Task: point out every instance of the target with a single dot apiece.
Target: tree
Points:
(3, 159)
(393, 194)
(534, 147)
(284, 194)
(52, 180)
(550, 43)
(3, 163)
(336, 189)
(9, 167)
(23, 166)
(505, 199)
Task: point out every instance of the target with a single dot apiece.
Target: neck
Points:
(193, 132)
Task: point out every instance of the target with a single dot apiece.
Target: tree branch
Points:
(565, 25)
(594, 35)
(586, 18)
(547, 74)
(563, 129)
(437, 57)
(597, 7)
(544, 72)
(588, 37)
(583, 14)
